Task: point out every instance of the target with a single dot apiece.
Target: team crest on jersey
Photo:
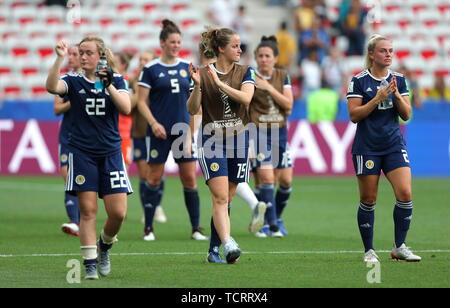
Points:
(64, 158)
(214, 167)
(261, 157)
(137, 153)
(370, 164)
(80, 180)
(154, 153)
(183, 73)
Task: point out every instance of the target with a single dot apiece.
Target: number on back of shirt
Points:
(95, 106)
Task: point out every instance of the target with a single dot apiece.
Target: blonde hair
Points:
(203, 46)
(102, 49)
(371, 43)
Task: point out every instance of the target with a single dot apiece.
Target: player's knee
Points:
(369, 199)
(220, 199)
(266, 178)
(154, 180)
(189, 182)
(404, 194)
(285, 182)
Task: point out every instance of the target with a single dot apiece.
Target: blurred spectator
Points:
(322, 104)
(314, 38)
(334, 72)
(352, 27)
(304, 16)
(310, 73)
(243, 24)
(413, 86)
(287, 47)
(440, 91)
(223, 12)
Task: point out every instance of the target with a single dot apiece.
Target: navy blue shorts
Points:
(139, 149)
(225, 157)
(374, 164)
(158, 149)
(105, 175)
(63, 154)
(271, 149)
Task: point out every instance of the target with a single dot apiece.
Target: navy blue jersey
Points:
(379, 133)
(66, 124)
(169, 91)
(94, 128)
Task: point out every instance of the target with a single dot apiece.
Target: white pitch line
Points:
(201, 253)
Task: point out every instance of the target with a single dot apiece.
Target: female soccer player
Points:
(270, 106)
(96, 164)
(138, 132)
(376, 98)
(243, 190)
(62, 106)
(224, 91)
(163, 91)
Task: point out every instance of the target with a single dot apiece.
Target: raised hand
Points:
(195, 74)
(61, 48)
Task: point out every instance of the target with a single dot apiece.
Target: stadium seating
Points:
(29, 31)
(420, 33)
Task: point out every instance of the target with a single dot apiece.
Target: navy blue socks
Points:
(192, 202)
(71, 203)
(366, 219)
(402, 220)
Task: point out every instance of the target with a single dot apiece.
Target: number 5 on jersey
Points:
(175, 85)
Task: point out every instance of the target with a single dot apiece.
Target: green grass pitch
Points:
(323, 248)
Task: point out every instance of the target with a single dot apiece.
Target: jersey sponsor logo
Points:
(273, 114)
(82, 91)
(369, 89)
(172, 72)
(161, 75)
(370, 164)
(215, 167)
(80, 180)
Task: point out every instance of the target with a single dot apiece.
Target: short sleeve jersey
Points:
(263, 108)
(218, 109)
(94, 117)
(379, 133)
(169, 91)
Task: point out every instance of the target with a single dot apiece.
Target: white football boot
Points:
(371, 256)
(160, 216)
(404, 253)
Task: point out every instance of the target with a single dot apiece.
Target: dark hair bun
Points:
(271, 38)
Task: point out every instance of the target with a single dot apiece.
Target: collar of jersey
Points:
(385, 77)
(168, 65)
(213, 65)
(261, 75)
